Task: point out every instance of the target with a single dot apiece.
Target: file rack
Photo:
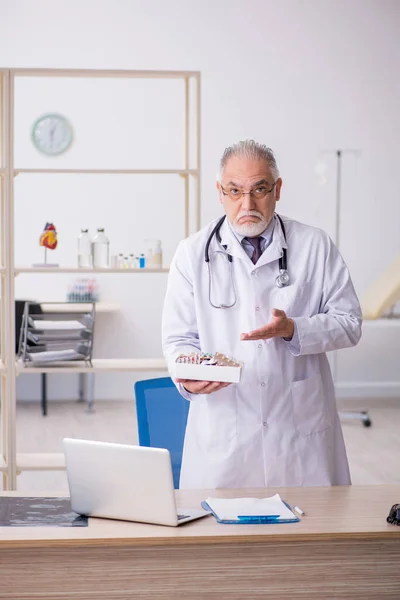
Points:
(51, 338)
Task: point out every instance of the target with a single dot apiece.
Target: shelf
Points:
(37, 462)
(81, 271)
(100, 365)
(99, 73)
(109, 171)
(70, 307)
(40, 462)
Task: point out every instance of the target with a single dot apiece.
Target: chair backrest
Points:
(162, 416)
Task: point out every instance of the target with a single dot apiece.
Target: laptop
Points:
(117, 481)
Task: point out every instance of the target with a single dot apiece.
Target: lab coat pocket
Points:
(293, 299)
(310, 410)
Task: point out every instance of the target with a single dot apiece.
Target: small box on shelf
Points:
(83, 290)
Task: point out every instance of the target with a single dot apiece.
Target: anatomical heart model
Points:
(48, 240)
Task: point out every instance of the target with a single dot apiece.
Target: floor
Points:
(373, 452)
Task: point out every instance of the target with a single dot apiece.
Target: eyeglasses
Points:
(258, 193)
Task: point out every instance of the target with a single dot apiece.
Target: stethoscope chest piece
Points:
(283, 278)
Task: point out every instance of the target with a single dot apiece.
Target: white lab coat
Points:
(279, 426)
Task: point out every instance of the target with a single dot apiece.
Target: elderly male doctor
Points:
(279, 426)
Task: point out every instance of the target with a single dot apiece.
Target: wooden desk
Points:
(343, 548)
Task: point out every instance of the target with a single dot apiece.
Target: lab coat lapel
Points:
(275, 249)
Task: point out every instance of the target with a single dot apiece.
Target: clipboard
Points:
(267, 520)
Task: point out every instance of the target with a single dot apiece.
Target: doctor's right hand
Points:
(202, 387)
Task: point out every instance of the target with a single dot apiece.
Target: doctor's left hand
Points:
(279, 326)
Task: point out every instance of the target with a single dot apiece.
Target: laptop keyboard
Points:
(183, 517)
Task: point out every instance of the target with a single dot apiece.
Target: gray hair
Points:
(249, 149)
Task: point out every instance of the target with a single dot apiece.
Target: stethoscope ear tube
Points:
(215, 231)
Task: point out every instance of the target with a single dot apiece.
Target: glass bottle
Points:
(101, 250)
(120, 261)
(153, 254)
(84, 250)
(157, 255)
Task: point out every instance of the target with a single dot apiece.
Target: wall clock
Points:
(52, 134)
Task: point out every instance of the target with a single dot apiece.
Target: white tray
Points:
(207, 373)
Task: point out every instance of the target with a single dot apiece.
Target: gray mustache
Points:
(251, 213)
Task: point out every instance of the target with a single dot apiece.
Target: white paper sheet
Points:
(54, 356)
(49, 325)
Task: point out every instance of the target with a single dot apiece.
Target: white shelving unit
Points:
(100, 365)
(101, 307)
(59, 270)
(11, 462)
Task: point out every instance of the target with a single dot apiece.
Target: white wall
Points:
(301, 75)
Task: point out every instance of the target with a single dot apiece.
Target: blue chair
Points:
(162, 416)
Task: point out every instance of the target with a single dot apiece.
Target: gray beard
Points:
(250, 229)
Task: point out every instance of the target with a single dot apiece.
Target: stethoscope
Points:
(282, 279)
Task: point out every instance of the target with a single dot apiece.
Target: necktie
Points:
(256, 243)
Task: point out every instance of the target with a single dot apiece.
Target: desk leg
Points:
(81, 387)
(44, 394)
(89, 391)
